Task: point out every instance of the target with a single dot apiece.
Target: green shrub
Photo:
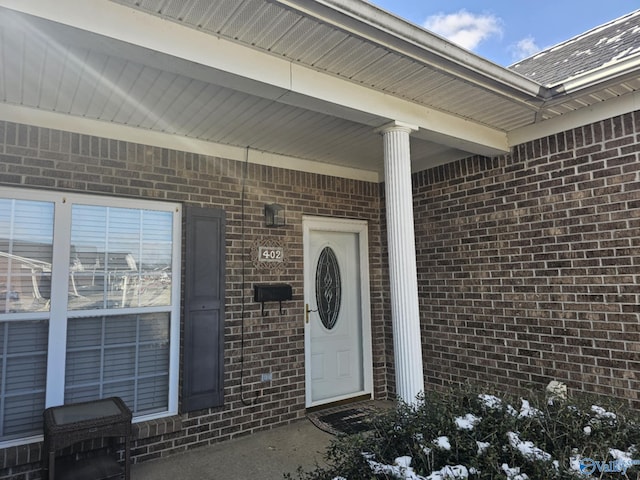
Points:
(490, 438)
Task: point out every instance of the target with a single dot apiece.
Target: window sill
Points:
(156, 427)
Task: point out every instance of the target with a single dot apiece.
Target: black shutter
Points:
(203, 365)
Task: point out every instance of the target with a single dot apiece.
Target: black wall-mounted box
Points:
(277, 292)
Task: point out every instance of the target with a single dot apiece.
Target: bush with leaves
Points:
(466, 434)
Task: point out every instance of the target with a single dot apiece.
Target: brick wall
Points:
(529, 264)
(51, 159)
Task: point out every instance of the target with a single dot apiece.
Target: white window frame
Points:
(58, 313)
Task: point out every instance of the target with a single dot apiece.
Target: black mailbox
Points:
(276, 292)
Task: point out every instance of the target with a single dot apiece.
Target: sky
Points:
(505, 31)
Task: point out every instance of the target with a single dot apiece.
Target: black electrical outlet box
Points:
(277, 292)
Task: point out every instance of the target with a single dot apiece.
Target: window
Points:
(89, 305)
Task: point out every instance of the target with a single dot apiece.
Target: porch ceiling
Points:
(51, 67)
(56, 69)
(308, 35)
(308, 80)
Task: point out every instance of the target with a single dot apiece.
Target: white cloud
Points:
(465, 28)
(524, 48)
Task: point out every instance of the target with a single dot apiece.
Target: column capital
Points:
(396, 126)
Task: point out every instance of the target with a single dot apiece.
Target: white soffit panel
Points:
(42, 72)
(289, 34)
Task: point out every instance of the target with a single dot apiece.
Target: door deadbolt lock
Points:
(307, 311)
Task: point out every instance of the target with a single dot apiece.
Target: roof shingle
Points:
(601, 46)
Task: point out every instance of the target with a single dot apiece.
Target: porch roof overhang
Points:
(296, 83)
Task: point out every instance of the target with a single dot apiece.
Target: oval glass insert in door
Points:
(328, 288)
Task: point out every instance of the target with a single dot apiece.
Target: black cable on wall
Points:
(245, 169)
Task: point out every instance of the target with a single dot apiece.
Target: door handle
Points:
(307, 310)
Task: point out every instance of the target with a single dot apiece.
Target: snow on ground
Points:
(467, 422)
(514, 473)
(527, 448)
(512, 411)
(574, 462)
(443, 443)
(490, 401)
(602, 414)
(625, 459)
(623, 456)
(482, 447)
(528, 411)
(402, 470)
(401, 467)
(456, 472)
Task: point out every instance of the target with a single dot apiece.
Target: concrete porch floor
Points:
(265, 455)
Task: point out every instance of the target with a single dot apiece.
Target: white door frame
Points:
(359, 227)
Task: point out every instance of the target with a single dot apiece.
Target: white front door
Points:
(337, 324)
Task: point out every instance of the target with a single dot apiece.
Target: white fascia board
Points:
(414, 41)
(278, 76)
(607, 72)
(85, 126)
(595, 113)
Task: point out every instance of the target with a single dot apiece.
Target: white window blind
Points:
(125, 356)
(23, 353)
(121, 257)
(26, 246)
(26, 240)
(115, 328)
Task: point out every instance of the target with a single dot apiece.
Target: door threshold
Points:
(340, 403)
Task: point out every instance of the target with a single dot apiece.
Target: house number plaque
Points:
(271, 254)
(267, 253)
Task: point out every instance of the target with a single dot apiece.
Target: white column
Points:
(407, 344)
